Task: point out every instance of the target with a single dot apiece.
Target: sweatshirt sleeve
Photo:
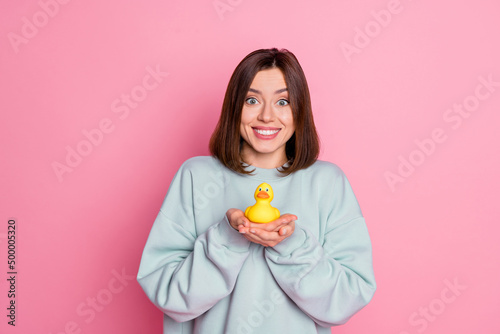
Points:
(333, 280)
(182, 273)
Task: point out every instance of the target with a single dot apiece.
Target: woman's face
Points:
(266, 120)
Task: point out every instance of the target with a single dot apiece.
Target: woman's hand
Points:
(237, 218)
(270, 234)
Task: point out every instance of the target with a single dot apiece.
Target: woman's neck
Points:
(264, 160)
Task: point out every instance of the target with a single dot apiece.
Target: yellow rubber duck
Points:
(262, 211)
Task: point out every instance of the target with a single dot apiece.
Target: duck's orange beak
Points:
(262, 194)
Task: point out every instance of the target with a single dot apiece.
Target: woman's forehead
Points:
(269, 80)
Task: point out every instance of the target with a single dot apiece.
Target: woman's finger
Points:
(276, 224)
(259, 240)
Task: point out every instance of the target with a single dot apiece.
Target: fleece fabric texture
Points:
(207, 278)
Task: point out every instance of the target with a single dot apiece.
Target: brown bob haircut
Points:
(302, 149)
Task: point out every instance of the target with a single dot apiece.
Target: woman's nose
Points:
(267, 113)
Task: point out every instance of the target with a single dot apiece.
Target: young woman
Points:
(210, 269)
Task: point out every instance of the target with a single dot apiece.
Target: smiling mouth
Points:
(266, 132)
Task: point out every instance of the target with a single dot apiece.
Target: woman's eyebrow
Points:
(256, 91)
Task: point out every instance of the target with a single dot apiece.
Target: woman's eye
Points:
(283, 103)
(251, 100)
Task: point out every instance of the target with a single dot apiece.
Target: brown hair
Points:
(302, 149)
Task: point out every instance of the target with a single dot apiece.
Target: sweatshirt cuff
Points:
(229, 237)
(287, 246)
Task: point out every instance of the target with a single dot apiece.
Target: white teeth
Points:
(266, 132)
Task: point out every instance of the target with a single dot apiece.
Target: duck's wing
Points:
(277, 212)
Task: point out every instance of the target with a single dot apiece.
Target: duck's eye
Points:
(260, 189)
(267, 189)
(251, 100)
(283, 103)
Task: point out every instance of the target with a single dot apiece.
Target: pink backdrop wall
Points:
(102, 101)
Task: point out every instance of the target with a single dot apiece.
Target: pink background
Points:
(65, 69)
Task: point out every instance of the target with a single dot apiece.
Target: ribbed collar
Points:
(265, 173)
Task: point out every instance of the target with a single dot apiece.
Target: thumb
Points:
(288, 217)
